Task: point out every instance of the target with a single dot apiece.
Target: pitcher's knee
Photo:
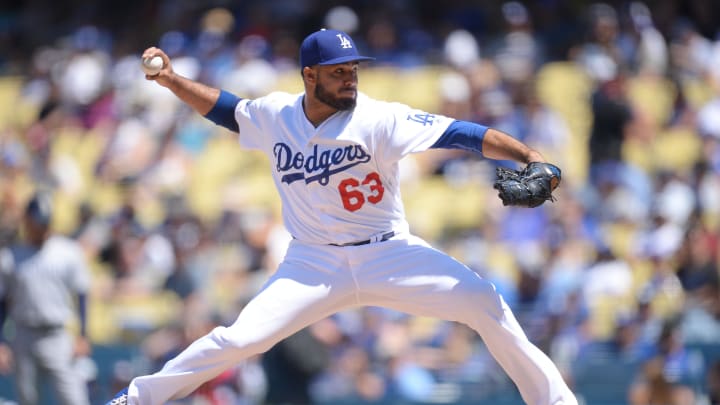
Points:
(478, 297)
(245, 341)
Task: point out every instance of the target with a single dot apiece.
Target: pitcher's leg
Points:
(295, 297)
(414, 278)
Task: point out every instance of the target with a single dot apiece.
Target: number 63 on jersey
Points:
(355, 193)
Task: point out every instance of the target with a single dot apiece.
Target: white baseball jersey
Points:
(338, 182)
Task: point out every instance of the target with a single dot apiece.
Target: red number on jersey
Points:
(376, 187)
(353, 199)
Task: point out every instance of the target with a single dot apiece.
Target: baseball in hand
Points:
(152, 66)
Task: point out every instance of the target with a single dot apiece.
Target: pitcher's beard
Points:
(338, 103)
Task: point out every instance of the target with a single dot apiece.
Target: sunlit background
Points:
(617, 280)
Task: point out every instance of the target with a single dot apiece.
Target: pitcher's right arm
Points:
(212, 103)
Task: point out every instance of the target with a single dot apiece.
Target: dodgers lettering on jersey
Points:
(338, 182)
(328, 162)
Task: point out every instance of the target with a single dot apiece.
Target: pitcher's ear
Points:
(309, 73)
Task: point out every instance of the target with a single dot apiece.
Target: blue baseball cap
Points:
(39, 209)
(329, 47)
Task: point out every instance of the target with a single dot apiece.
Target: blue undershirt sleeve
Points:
(462, 135)
(223, 112)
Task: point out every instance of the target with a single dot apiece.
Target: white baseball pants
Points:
(315, 281)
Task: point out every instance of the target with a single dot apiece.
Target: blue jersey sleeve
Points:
(223, 112)
(462, 135)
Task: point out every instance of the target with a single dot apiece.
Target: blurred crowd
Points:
(617, 280)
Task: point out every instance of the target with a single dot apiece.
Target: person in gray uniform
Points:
(43, 281)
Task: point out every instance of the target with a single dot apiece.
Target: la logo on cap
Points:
(321, 48)
(344, 42)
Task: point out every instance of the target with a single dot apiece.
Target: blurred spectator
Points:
(650, 47)
(653, 387)
(82, 78)
(292, 364)
(120, 252)
(649, 321)
(689, 51)
(518, 52)
(342, 18)
(612, 117)
(708, 126)
(626, 343)
(352, 372)
(608, 279)
(667, 373)
(461, 50)
(601, 55)
(39, 140)
(713, 383)
(663, 285)
(350, 377)
(212, 44)
(536, 123)
(701, 317)
(569, 336)
(252, 74)
(698, 256)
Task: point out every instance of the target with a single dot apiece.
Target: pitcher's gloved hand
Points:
(529, 187)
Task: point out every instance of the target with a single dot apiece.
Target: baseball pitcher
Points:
(334, 154)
